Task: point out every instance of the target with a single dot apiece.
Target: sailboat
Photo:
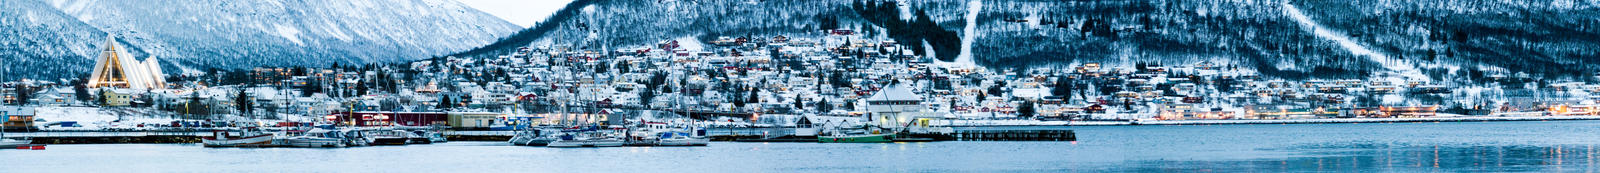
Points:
(533, 136)
(590, 135)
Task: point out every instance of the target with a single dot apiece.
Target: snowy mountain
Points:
(196, 35)
(38, 41)
(1290, 39)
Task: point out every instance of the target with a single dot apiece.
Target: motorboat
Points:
(389, 137)
(645, 133)
(317, 138)
(435, 137)
(585, 137)
(246, 137)
(417, 137)
(355, 137)
(14, 143)
(865, 135)
(681, 139)
(573, 141)
(535, 137)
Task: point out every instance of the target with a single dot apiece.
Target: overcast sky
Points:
(520, 12)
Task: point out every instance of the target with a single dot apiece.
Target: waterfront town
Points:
(830, 78)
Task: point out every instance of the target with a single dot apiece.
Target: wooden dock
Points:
(152, 139)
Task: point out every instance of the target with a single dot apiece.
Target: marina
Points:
(1524, 146)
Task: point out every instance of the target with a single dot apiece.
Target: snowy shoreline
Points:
(1008, 123)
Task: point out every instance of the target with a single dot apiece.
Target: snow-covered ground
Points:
(94, 118)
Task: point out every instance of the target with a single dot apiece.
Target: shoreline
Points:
(1016, 123)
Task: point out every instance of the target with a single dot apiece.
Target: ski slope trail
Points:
(1400, 66)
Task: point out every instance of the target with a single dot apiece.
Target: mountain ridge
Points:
(195, 36)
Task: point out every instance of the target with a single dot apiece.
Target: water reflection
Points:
(1384, 158)
(1371, 147)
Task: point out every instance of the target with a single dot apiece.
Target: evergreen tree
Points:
(102, 99)
(444, 103)
(755, 96)
(242, 102)
(81, 91)
(799, 105)
(823, 106)
(1025, 110)
(981, 97)
(738, 103)
(646, 96)
(361, 88)
(24, 94)
(1062, 89)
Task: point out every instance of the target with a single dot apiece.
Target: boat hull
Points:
(420, 140)
(585, 143)
(684, 142)
(879, 138)
(252, 141)
(389, 141)
(538, 142)
(8, 143)
(314, 142)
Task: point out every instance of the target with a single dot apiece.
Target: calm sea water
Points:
(1557, 146)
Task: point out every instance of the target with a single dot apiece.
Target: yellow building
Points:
(473, 119)
(116, 97)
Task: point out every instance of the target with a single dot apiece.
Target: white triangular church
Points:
(116, 68)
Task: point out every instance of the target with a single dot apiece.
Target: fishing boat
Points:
(317, 138)
(247, 137)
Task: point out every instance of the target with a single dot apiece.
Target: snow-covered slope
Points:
(1421, 40)
(239, 34)
(38, 41)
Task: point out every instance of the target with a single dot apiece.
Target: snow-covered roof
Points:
(16, 110)
(895, 93)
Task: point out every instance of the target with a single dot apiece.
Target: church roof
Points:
(115, 67)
